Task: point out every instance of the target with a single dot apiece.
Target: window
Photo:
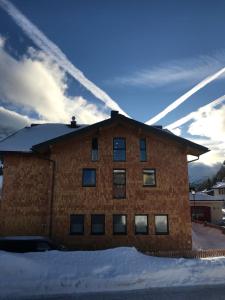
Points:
(141, 224)
(89, 177)
(77, 224)
(161, 224)
(149, 178)
(97, 224)
(94, 149)
(119, 149)
(143, 154)
(119, 184)
(119, 224)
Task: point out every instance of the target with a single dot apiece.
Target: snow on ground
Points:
(56, 272)
(204, 237)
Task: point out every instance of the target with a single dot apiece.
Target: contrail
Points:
(50, 48)
(184, 97)
(192, 115)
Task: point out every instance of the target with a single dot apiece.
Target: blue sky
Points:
(143, 54)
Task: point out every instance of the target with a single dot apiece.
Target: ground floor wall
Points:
(179, 235)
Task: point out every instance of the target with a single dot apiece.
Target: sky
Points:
(159, 62)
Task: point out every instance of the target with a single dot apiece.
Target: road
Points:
(213, 292)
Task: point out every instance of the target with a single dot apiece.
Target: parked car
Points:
(28, 244)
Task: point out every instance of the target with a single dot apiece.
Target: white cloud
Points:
(35, 84)
(56, 54)
(186, 70)
(12, 121)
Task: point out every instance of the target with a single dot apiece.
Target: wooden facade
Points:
(42, 191)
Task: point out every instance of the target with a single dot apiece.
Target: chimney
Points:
(114, 113)
(73, 122)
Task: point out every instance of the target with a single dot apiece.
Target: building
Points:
(206, 207)
(219, 189)
(117, 182)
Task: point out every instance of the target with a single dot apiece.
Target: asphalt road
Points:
(213, 292)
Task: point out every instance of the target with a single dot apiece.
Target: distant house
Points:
(206, 207)
(117, 182)
(219, 189)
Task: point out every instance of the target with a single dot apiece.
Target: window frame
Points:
(125, 184)
(145, 149)
(120, 233)
(125, 146)
(162, 233)
(97, 233)
(149, 169)
(141, 233)
(77, 233)
(94, 149)
(89, 185)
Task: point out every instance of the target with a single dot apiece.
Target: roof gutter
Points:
(189, 161)
(52, 190)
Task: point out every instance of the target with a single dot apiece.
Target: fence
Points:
(188, 253)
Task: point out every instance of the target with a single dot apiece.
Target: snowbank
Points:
(58, 272)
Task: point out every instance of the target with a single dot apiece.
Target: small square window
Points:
(161, 224)
(77, 224)
(89, 177)
(119, 224)
(149, 177)
(141, 224)
(98, 224)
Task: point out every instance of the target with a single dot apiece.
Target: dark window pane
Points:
(119, 224)
(94, 152)
(119, 149)
(98, 224)
(161, 224)
(119, 155)
(149, 177)
(141, 224)
(89, 177)
(119, 183)
(119, 143)
(77, 224)
(142, 144)
(143, 155)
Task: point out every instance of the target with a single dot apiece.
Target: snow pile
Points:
(204, 237)
(56, 272)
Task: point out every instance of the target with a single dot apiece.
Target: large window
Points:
(141, 224)
(143, 153)
(97, 224)
(119, 184)
(161, 224)
(89, 177)
(94, 149)
(149, 177)
(119, 224)
(77, 224)
(119, 149)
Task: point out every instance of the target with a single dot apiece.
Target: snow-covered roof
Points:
(204, 197)
(24, 139)
(219, 185)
